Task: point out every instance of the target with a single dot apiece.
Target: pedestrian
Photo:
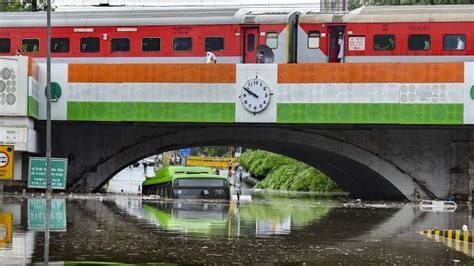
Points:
(340, 42)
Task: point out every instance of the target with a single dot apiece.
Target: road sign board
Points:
(6, 162)
(37, 217)
(37, 173)
(185, 152)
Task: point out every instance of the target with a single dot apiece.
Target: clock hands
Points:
(251, 92)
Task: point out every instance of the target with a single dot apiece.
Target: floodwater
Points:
(269, 228)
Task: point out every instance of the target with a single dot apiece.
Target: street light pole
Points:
(48, 99)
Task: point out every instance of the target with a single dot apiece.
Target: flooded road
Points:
(271, 228)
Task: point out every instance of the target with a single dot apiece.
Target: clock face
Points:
(255, 95)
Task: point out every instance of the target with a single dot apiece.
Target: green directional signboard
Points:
(37, 173)
(37, 214)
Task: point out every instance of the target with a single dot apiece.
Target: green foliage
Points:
(283, 173)
(20, 6)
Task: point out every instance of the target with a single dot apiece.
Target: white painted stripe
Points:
(371, 93)
(468, 101)
(151, 92)
(339, 93)
(432, 93)
(94, 92)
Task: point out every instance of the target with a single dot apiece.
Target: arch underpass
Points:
(100, 150)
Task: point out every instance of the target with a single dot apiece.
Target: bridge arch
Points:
(100, 150)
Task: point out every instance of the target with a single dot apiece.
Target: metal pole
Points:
(48, 100)
(46, 231)
(48, 131)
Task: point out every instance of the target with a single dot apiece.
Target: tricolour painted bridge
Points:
(379, 130)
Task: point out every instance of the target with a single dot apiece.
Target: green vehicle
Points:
(187, 183)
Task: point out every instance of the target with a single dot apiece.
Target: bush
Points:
(283, 173)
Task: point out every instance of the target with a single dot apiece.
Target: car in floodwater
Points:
(184, 182)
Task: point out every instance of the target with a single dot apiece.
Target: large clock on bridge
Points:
(255, 95)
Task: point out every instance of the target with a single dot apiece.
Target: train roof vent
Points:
(249, 19)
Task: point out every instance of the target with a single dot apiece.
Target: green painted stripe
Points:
(94, 111)
(370, 113)
(33, 107)
(434, 114)
(151, 112)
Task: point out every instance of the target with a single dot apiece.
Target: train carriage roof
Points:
(149, 16)
(388, 14)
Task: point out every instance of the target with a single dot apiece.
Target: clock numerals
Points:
(255, 95)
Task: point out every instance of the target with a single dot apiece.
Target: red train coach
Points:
(389, 34)
(152, 35)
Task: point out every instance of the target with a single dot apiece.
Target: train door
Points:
(337, 41)
(250, 44)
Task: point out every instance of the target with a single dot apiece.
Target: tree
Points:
(22, 6)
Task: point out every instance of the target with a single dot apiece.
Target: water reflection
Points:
(262, 218)
(189, 218)
(270, 229)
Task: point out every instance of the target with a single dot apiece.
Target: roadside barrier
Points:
(453, 238)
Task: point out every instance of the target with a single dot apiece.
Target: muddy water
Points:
(268, 229)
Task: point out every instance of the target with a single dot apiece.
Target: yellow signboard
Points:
(6, 162)
(6, 220)
(215, 162)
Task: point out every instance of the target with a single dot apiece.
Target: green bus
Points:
(184, 182)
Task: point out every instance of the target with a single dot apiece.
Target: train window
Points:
(384, 42)
(120, 45)
(90, 45)
(272, 40)
(30, 45)
(214, 43)
(419, 42)
(250, 42)
(182, 44)
(5, 45)
(454, 42)
(59, 45)
(151, 44)
(313, 39)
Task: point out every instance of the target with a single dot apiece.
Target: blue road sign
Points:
(185, 152)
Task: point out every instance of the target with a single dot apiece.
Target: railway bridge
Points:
(379, 130)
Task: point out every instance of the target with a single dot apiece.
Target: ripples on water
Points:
(271, 228)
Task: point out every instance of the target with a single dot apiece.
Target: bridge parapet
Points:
(349, 93)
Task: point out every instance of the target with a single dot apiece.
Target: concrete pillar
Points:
(18, 166)
(459, 171)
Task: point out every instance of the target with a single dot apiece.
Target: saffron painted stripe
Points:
(441, 114)
(151, 92)
(371, 73)
(170, 73)
(151, 112)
